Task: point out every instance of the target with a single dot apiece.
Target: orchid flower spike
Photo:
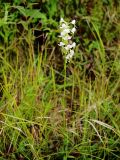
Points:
(66, 34)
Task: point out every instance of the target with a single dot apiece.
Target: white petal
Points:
(61, 20)
(62, 34)
(71, 52)
(61, 44)
(66, 37)
(74, 44)
(68, 47)
(73, 21)
(73, 30)
(67, 30)
(64, 26)
(70, 55)
(69, 37)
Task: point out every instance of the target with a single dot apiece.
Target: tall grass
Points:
(50, 109)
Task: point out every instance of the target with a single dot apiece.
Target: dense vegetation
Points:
(52, 110)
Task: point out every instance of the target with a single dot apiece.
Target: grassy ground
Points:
(49, 110)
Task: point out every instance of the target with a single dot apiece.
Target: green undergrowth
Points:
(53, 111)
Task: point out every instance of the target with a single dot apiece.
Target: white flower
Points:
(62, 34)
(70, 55)
(73, 30)
(73, 45)
(68, 47)
(71, 52)
(73, 21)
(66, 37)
(66, 33)
(69, 37)
(61, 20)
(64, 26)
(61, 44)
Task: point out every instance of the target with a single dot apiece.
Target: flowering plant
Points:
(67, 31)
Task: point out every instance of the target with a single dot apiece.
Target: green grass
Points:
(49, 110)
